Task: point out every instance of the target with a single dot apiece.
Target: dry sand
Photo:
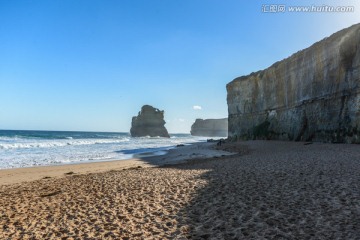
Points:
(276, 190)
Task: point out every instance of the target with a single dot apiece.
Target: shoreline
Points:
(268, 189)
(175, 155)
(20, 149)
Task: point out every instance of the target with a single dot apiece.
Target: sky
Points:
(89, 65)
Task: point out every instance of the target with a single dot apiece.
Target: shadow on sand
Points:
(269, 190)
(279, 191)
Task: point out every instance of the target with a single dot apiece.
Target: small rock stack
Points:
(149, 122)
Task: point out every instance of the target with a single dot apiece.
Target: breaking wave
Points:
(39, 148)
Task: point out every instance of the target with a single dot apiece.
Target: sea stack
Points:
(210, 127)
(149, 122)
(314, 95)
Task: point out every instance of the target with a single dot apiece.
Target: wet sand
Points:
(173, 156)
(276, 190)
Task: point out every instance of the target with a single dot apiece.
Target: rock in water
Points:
(314, 95)
(149, 122)
(210, 127)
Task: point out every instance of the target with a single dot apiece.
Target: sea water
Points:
(40, 148)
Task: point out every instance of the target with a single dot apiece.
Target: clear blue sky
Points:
(91, 65)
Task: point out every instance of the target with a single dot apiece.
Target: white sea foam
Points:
(18, 151)
(56, 143)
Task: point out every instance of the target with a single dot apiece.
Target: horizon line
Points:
(76, 131)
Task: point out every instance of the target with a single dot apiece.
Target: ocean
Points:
(40, 148)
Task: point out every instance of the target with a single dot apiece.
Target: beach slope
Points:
(280, 190)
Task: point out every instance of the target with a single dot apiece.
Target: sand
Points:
(173, 156)
(276, 190)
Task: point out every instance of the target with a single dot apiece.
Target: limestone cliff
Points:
(312, 95)
(149, 122)
(210, 127)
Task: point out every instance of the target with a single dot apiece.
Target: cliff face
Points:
(149, 122)
(312, 95)
(210, 127)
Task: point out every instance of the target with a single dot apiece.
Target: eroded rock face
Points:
(314, 95)
(210, 127)
(149, 122)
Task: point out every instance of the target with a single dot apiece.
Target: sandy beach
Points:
(177, 155)
(267, 189)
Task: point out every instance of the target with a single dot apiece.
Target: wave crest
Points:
(58, 143)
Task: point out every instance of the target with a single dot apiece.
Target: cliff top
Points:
(148, 108)
(201, 119)
(335, 37)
